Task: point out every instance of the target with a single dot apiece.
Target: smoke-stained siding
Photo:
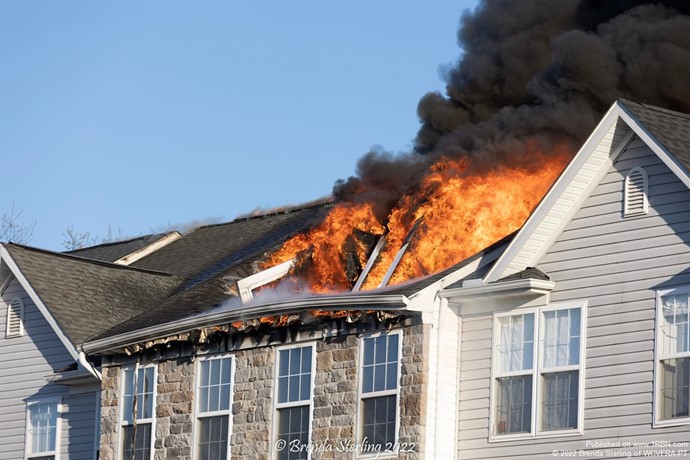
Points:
(24, 363)
(615, 264)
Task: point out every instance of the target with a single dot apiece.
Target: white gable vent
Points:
(635, 193)
(15, 318)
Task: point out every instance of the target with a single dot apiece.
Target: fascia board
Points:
(360, 302)
(497, 271)
(513, 288)
(7, 258)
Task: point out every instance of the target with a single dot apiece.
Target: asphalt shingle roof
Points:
(110, 252)
(670, 128)
(85, 296)
(210, 256)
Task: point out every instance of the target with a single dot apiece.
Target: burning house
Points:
(565, 335)
(517, 287)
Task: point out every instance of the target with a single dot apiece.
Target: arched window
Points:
(15, 318)
(635, 193)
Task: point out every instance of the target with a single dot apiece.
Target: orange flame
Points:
(462, 212)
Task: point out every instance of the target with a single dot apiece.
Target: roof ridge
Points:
(657, 108)
(113, 243)
(87, 260)
(277, 212)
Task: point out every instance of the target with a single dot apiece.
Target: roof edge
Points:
(227, 315)
(45, 311)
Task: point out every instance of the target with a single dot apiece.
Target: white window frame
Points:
(537, 371)
(659, 357)
(277, 405)
(374, 394)
(198, 414)
(10, 306)
(149, 420)
(27, 445)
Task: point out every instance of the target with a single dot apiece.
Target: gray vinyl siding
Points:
(615, 264)
(24, 363)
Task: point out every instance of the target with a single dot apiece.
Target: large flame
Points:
(460, 211)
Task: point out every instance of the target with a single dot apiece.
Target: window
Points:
(138, 397)
(214, 396)
(15, 318)
(537, 386)
(293, 400)
(635, 200)
(379, 390)
(673, 357)
(42, 427)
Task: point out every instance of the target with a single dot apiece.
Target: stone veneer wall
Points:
(334, 406)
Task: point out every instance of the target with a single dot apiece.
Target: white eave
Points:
(574, 185)
(515, 288)
(228, 315)
(470, 300)
(73, 377)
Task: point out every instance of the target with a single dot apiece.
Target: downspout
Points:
(84, 362)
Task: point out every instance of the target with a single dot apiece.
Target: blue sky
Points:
(143, 114)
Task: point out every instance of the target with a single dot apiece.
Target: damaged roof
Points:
(211, 258)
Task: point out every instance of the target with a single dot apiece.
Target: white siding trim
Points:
(5, 257)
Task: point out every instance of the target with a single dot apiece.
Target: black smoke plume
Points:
(537, 72)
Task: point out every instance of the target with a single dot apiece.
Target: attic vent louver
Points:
(15, 318)
(635, 193)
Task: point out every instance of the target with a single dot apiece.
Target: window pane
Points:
(213, 439)
(215, 371)
(675, 324)
(559, 407)
(306, 360)
(675, 388)
(514, 405)
(393, 348)
(295, 385)
(368, 379)
(378, 422)
(305, 387)
(136, 442)
(293, 427)
(282, 389)
(561, 337)
(43, 426)
(381, 373)
(368, 352)
(283, 362)
(516, 342)
(295, 363)
(293, 393)
(215, 385)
